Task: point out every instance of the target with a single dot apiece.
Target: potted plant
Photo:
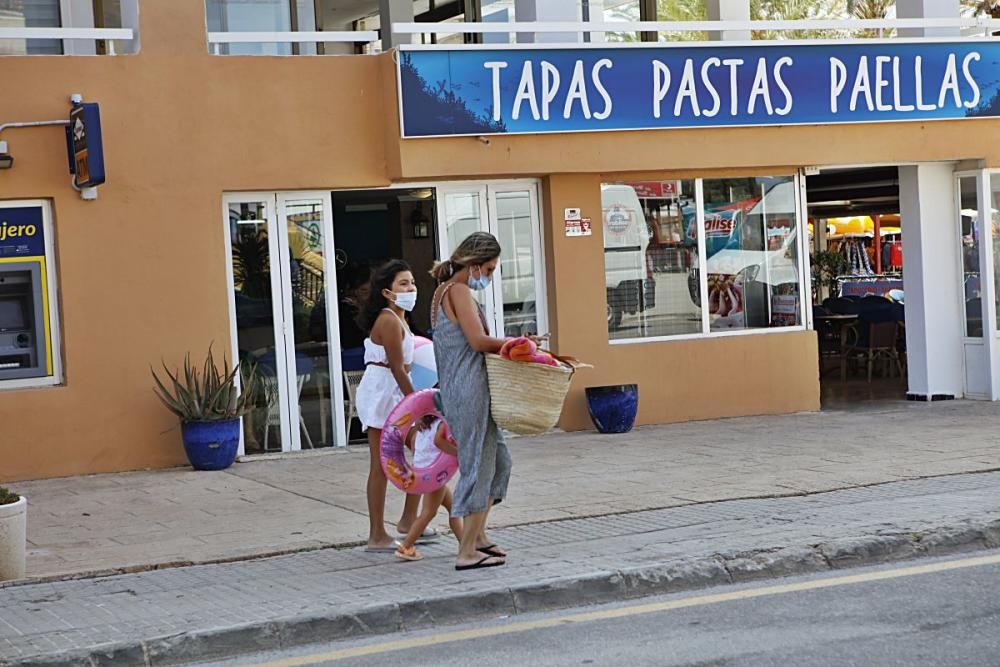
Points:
(13, 538)
(210, 405)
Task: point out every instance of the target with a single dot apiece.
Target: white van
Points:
(626, 238)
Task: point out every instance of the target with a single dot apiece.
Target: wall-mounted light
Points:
(6, 159)
(421, 224)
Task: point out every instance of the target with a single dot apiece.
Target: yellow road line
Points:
(622, 612)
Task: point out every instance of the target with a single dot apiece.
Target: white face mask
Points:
(406, 300)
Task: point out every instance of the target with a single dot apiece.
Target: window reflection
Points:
(653, 266)
(752, 254)
(970, 230)
(650, 241)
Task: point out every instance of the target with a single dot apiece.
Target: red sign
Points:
(719, 226)
(656, 189)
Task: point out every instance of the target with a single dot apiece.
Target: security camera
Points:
(485, 140)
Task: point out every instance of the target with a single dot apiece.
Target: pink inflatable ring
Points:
(392, 447)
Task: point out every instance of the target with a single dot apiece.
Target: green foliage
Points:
(252, 265)
(827, 265)
(8, 497)
(208, 394)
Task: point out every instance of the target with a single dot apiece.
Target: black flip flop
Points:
(491, 550)
(481, 564)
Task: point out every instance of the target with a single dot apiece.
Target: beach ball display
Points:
(424, 372)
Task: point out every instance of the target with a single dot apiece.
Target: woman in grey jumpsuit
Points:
(461, 338)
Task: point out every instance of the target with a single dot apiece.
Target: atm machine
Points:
(24, 337)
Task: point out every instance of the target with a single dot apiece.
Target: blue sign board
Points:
(518, 91)
(85, 145)
(22, 233)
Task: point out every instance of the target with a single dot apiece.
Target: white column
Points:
(130, 19)
(729, 10)
(566, 11)
(929, 9)
(78, 14)
(394, 11)
(932, 281)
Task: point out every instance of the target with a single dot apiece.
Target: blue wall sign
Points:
(518, 91)
(22, 233)
(85, 145)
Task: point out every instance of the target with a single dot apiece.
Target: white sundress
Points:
(379, 392)
(425, 452)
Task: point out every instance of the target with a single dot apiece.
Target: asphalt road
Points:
(941, 612)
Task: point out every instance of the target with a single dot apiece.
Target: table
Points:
(840, 326)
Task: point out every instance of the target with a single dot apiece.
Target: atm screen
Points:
(12, 315)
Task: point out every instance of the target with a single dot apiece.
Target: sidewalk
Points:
(186, 615)
(133, 521)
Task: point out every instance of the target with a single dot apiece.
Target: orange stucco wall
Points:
(142, 269)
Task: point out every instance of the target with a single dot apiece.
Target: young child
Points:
(427, 439)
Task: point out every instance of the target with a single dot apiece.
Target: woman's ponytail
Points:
(442, 271)
(477, 249)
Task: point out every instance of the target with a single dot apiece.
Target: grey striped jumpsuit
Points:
(483, 457)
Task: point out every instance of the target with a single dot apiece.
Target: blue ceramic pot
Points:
(613, 408)
(211, 445)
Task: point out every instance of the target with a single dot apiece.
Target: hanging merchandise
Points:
(858, 262)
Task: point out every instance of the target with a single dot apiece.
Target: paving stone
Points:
(309, 501)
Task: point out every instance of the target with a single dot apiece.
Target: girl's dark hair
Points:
(382, 279)
(478, 248)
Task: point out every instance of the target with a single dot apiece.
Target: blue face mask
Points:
(480, 283)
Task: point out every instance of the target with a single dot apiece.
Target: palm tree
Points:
(796, 10)
(872, 9)
(987, 7)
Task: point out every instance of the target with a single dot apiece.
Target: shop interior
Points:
(371, 227)
(858, 295)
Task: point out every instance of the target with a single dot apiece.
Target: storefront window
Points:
(621, 10)
(650, 242)
(30, 14)
(969, 230)
(752, 259)
(654, 268)
(262, 16)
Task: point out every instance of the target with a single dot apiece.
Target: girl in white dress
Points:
(388, 357)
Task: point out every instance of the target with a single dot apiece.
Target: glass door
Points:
(257, 316)
(462, 211)
(278, 247)
(515, 304)
(521, 285)
(975, 284)
(313, 378)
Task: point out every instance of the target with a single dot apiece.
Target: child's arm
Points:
(443, 443)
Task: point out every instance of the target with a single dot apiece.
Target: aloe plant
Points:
(8, 497)
(208, 394)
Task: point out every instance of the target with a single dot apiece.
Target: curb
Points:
(628, 583)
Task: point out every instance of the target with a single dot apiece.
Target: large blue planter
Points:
(211, 445)
(613, 408)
